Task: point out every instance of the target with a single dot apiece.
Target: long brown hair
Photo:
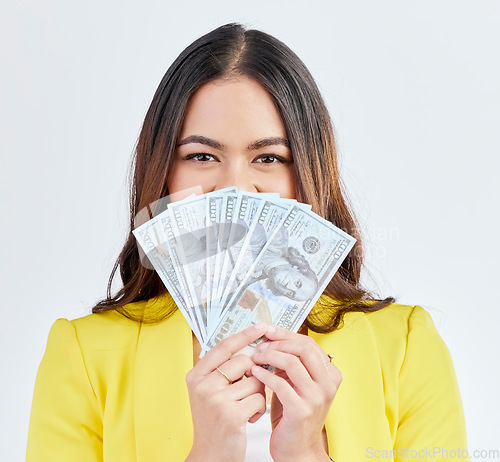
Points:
(226, 51)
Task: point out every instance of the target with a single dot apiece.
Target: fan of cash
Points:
(231, 259)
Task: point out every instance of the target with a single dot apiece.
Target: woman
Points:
(238, 108)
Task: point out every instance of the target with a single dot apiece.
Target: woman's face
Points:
(289, 281)
(233, 135)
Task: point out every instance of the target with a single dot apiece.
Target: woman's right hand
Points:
(220, 409)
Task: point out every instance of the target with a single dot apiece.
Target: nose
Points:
(236, 174)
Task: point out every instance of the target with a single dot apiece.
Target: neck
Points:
(196, 350)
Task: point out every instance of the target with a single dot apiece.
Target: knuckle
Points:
(331, 392)
(223, 345)
(242, 360)
(190, 378)
(307, 347)
(239, 365)
(317, 400)
(304, 412)
(258, 398)
(309, 340)
(311, 347)
(201, 389)
(337, 376)
(254, 384)
(291, 361)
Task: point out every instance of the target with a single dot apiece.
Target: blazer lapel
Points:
(162, 416)
(357, 419)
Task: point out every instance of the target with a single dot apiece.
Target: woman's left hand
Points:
(304, 385)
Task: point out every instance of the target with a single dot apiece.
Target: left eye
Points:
(269, 159)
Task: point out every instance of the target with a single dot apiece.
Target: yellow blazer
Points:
(110, 389)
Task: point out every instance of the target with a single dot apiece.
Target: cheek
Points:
(178, 184)
(283, 184)
(183, 178)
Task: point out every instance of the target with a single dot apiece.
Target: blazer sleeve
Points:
(431, 419)
(65, 422)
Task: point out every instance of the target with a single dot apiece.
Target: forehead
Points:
(238, 104)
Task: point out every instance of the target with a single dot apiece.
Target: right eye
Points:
(200, 157)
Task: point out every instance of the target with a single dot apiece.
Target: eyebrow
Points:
(199, 139)
(273, 141)
(262, 143)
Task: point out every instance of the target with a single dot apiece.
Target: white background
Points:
(413, 89)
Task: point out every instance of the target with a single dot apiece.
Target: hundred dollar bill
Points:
(263, 225)
(174, 243)
(228, 211)
(188, 247)
(157, 207)
(287, 277)
(216, 230)
(247, 207)
(152, 240)
(193, 247)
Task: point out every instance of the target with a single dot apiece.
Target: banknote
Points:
(266, 221)
(216, 230)
(262, 224)
(227, 215)
(156, 208)
(152, 240)
(188, 247)
(247, 207)
(194, 224)
(230, 259)
(288, 275)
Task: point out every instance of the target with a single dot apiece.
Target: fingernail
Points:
(263, 345)
(271, 329)
(259, 326)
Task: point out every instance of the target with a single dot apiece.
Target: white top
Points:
(258, 435)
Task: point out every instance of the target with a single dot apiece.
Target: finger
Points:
(278, 333)
(334, 373)
(246, 387)
(256, 416)
(235, 368)
(310, 353)
(292, 366)
(283, 390)
(223, 351)
(307, 350)
(253, 407)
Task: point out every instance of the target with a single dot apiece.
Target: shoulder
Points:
(390, 333)
(394, 321)
(111, 330)
(99, 330)
(429, 403)
(406, 342)
(398, 321)
(85, 353)
(409, 326)
(395, 314)
(106, 331)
